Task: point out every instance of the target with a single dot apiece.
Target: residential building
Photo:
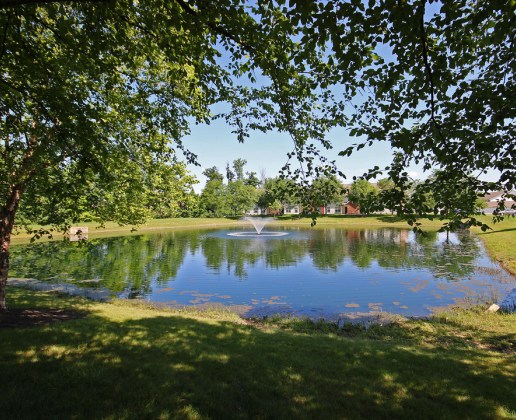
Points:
(492, 199)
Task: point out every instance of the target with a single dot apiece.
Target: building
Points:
(492, 199)
(342, 208)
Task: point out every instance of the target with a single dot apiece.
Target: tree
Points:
(364, 194)
(385, 184)
(238, 166)
(240, 197)
(230, 175)
(391, 197)
(436, 80)
(252, 180)
(278, 192)
(213, 174)
(213, 198)
(326, 190)
(95, 88)
(170, 191)
(445, 197)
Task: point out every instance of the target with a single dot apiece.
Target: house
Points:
(492, 199)
(287, 209)
(256, 211)
(332, 208)
(340, 208)
(291, 209)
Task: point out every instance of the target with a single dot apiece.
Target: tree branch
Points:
(216, 28)
(428, 69)
(5, 36)
(430, 76)
(15, 3)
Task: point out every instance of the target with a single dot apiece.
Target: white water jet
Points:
(258, 224)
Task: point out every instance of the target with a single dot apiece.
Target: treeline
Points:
(167, 192)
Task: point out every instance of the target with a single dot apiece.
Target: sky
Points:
(215, 145)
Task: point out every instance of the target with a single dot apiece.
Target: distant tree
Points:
(191, 205)
(252, 180)
(265, 198)
(213, 197)
(385, 184)
(282, 190)
(213, 174)
(238, 166)
(170, 191)
(326, 190)
(480, 204)
(446, 196)
(230, 175)
(390, 196)
(364, 194)
(240, 197)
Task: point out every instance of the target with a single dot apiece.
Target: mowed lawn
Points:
(123, 360)
(126, 361)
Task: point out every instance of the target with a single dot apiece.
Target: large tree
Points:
(100, 90)
(87, 87)
(364, 194)
(439, 86)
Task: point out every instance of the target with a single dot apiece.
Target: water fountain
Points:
(258, 224)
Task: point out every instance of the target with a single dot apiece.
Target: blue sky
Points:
(215, 145)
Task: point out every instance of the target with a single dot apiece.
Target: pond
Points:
(312, 272)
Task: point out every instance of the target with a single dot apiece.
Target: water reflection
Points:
(197, 262)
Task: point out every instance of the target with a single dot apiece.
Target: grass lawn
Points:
(127, 361)
(501, 243)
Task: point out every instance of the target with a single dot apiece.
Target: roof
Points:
(493, 198)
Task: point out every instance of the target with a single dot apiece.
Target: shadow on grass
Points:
(490, 232)
(164, 367)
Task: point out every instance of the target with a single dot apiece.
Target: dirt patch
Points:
(20, 318)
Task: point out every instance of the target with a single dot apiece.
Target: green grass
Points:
(501, 242)
(114, 229)
(129, 361)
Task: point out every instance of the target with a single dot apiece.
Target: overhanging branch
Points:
(216, 28)
(15, 3)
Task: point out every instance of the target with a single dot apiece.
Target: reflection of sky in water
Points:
(324, 271)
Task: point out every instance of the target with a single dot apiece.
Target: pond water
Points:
(318, 273)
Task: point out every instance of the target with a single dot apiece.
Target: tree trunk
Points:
(6, 228)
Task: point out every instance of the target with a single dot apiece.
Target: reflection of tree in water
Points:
(363, 247)
(328, 248)
(239, 254)
(285, 252)
(133, 263)
(445, 259)
(392, 249)
(122, 263)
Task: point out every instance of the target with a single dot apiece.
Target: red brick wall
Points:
(352, 209)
